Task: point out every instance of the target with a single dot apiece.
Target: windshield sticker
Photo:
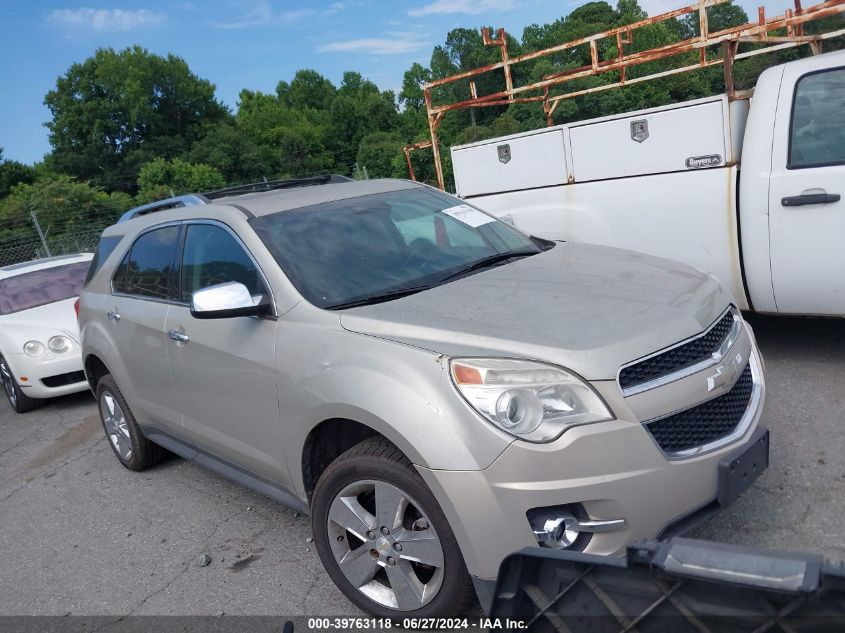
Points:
(469, 216)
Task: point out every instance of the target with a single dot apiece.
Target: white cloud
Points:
(106, 19)
(262, 14)
(395, 44)
(471, 7)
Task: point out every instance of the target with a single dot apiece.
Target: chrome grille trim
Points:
(713, 359)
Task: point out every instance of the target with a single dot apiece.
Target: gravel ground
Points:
(81, 535)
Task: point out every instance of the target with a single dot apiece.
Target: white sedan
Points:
(39, 337)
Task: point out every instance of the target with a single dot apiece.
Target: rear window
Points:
(40, 287)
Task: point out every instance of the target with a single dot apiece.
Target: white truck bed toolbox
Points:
(523, 161)
(674, 138)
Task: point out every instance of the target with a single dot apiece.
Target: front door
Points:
(807, 194)
(224, 369)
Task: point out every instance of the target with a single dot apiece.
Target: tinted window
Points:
(350, 250)
(818, 120)
(212, 256)
(104, 249)
(146, 269)
(41, 287)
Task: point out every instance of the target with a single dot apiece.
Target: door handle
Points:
(113, 315)
(179, 337)
(809, 198)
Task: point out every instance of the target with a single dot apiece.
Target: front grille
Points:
(707, 422)
(678, 358)
(64, 379)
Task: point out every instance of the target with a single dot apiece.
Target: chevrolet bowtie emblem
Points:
(725, 373)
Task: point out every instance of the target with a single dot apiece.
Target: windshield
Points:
(41, 287)
(382, 246)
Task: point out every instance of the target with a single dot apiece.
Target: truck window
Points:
(817, 131)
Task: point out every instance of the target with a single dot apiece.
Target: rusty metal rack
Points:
(791, 23)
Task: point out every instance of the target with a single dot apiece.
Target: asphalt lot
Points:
(79, 534)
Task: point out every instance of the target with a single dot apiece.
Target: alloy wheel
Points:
(117, 428)
(385, 545)
(8, 382)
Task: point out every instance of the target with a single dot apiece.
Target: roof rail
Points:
(194, 199)
(188, 200)
(270, 185)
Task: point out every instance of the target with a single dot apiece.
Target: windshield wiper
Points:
(488, 262)
(380, 297)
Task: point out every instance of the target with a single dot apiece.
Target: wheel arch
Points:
(95, 369)
(332, 437)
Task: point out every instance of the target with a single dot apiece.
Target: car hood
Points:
(54, 318)
(588, 308)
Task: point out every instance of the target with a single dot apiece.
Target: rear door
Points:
(142, 293)
(224, 369)
(807, 186)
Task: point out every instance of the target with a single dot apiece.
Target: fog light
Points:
(558, 532)
(558, 527)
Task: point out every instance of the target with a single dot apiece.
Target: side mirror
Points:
(226, 301)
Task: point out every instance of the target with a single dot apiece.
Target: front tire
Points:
(21, 403)
(383, 538)
(131, 448)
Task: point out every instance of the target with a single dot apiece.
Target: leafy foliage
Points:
(161, 178)
(130, 126)
(117, 110)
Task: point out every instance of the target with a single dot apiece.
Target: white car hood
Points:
(48, 320)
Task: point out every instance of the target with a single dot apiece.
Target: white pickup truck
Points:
(748, 191)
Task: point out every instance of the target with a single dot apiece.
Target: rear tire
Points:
(20, 402)
(406, 561)
(129, 445)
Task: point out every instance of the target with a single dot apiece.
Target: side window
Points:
(212, 256)
(104, 249)
(817, 131)
(147, 268)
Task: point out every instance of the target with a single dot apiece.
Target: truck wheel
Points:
(131, 448)
(20, 402)
(383, 538)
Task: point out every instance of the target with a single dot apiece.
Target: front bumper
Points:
(613, 469)
(50, 367)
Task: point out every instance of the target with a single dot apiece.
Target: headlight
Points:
(33, 348)
(531, 400)
(59, 344)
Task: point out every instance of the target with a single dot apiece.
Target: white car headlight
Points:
(531, 400)
(33, 348)
(59, 344)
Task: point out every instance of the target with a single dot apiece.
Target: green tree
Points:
(120, 109)
(13, 173)
(161, 178)
(412, 95)
(309, 89)
(233, 153)
(377, 152)
(63, 205)
(719, 17)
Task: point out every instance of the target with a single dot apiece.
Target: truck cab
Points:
(793, 177)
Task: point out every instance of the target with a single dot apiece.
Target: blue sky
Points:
(241, 44)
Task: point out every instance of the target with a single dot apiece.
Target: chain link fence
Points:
(84, 242)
